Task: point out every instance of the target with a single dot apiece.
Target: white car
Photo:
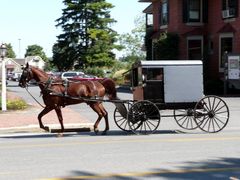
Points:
(16, 76)
(68, 74)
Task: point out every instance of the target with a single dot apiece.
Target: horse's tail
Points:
(110, 88)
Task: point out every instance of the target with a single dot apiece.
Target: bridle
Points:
(26, 76)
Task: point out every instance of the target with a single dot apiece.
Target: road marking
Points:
(144, 174)
(233, 138)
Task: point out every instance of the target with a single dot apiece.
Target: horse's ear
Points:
(27, 65)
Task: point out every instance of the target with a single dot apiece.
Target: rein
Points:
(33, 97)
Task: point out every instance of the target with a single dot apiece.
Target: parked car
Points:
(68, 74)
(16, 76)
(9, 76)
(85, 77)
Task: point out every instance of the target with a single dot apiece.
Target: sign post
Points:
(3, 51)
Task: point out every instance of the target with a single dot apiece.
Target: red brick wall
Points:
(215, 23)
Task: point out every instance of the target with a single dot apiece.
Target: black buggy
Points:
(170, 85)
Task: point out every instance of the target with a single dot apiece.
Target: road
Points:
(170, 153)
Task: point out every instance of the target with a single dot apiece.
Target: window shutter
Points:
(205, 11)
(168, 12)
(160, 15)
(185, 11)
(224, 5)
(236, 6)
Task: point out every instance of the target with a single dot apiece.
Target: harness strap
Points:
(66, 85)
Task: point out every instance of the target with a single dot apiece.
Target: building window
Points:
(195, 48)
(226, 45)
(164, 13)
(195, 11)
(229, 8)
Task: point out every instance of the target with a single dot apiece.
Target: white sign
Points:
(233, 67)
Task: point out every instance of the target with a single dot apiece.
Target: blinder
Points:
(26, 76)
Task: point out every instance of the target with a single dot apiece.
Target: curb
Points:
(53, 128)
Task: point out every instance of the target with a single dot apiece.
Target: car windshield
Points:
(69, 74)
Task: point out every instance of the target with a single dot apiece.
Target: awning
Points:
(227, 29)
(195, 32)
(148, 10)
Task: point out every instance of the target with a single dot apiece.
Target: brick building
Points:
(206, 29)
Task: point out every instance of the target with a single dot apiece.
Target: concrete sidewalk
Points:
(26, 120)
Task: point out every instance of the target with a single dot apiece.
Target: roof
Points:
(168, 63)
(145, 1)
(20, 61)
(149, 9)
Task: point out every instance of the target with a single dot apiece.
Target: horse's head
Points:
(26, 76)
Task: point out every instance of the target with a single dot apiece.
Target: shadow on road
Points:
(222, 168)
(27, 135)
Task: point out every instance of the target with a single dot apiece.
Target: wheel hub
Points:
(211, 114)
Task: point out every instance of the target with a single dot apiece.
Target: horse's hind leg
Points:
(105, 115)
(96, 108)
(46, 110)
(60, 118)
(100, 110)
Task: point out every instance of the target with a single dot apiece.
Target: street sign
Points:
(233, 66)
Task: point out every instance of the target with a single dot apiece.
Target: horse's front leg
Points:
(60, 118)
(46, 110)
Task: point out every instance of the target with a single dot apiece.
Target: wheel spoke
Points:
(146, 117)
(216, 106)
(220, 108)
(215, 114)
(206, 121)
(216, 122)
(209, 103)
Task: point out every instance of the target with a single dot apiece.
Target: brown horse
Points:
(58, 93)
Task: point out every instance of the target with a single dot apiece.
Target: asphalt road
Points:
(170, 153)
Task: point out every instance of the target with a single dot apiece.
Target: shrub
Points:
(167, 47)
(15, 104)
(94, 71)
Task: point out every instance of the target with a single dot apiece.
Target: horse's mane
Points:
(40, 70)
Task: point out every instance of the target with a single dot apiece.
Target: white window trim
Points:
(195, 38)
(160, 24)
(200, 23)
(222, 35)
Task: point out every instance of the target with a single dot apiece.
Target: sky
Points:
(29, 22)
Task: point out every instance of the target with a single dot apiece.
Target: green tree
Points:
(87, 38)
(166, 47)
(10, 52)
(133, 42)
(36, 50)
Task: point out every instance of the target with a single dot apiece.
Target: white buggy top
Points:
(182, 80)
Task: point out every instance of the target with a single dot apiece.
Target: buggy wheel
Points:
(143, 117)
(185, 118)
(211, 114)
(120, 120)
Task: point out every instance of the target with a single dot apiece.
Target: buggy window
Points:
(153, 74)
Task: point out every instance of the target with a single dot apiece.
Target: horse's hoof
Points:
(96, 131)
(46, 128)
